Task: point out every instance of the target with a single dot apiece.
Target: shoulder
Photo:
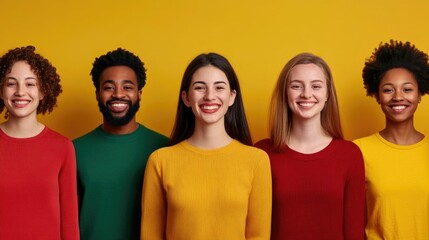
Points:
(363, 141)
(249, 152)
(264, 144)
(87, 136)
(56, 136)
(345, 146)
(143, 130)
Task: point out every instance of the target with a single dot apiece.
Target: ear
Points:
(97, 96)
(185, 100)
(232, 98)
(41, 95)
(139, 94)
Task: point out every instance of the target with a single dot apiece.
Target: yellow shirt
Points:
(397, 189)
(190, 193)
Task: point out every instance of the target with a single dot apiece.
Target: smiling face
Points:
(398, 95)
(119, 97)
(20, 92)
(307, 91)
(209, 95)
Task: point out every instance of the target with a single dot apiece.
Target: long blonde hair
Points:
(280, 113)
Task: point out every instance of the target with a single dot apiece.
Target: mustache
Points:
(119, 100)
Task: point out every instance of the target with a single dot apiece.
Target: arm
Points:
(258, 223)
(68, 196)
(154, 204)
(354, 199)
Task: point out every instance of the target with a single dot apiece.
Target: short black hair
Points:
(118, 57)
(395, 54)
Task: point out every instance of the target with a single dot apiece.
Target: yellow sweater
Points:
(190, 193)
(397, 189)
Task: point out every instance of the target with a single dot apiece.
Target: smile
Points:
(306, 104)
(398, 108)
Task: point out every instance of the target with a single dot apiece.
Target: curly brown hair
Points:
(395, 54)
(48, 79)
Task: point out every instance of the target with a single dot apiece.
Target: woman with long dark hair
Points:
(210, 184)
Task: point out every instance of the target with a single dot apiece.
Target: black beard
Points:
(119, 121)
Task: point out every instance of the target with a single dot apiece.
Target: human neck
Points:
(22, 127)
(402, 133)
(209, 137)
(120, 130)
(308, 137)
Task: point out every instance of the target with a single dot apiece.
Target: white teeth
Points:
(306, 104)
(402, 107)
(212, 107)
(21, 102)
(118, 105)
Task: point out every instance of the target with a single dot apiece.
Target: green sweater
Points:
(110, 172)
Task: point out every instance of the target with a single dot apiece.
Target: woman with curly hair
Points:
(38, 198)
(318, 177)
(397, 157)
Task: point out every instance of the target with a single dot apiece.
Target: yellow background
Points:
(258, 37)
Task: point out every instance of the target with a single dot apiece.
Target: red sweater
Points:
(38, 198)
(318, 196)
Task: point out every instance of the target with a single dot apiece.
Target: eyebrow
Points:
(123, 81)
(405, 83)
(27, 78)
(201, 82)
(312, 81)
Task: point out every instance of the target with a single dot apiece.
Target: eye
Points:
(220, 87)
(128, 87)
(295, 86)
(199, 87)
(10, 84)
(317, 86)
(408, 90)
(387, 90)
(107, 88)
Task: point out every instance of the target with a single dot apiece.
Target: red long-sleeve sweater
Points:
(38, 198)
(317, 196)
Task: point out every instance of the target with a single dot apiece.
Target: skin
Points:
(209, 96)
(118, 85)
(21, 96)
(399, 97)
(307, 93)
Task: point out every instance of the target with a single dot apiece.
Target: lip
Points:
(118, 106)
(398, 107)
(210, 108)
(20, 103)
(306, 104)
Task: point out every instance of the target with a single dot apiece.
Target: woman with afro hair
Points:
(397, 157)
(38, 198)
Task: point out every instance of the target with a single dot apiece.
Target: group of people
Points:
(208, 181)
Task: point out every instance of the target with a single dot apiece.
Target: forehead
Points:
(21, 68)
(307, 72)
(398, 76)
(118, 74)
(209, 74)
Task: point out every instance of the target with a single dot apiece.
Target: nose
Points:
(209, 94)
(397, 96)
(118, 93)
(306, 92)
(20, 89)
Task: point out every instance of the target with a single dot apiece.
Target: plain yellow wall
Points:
(258, 37)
